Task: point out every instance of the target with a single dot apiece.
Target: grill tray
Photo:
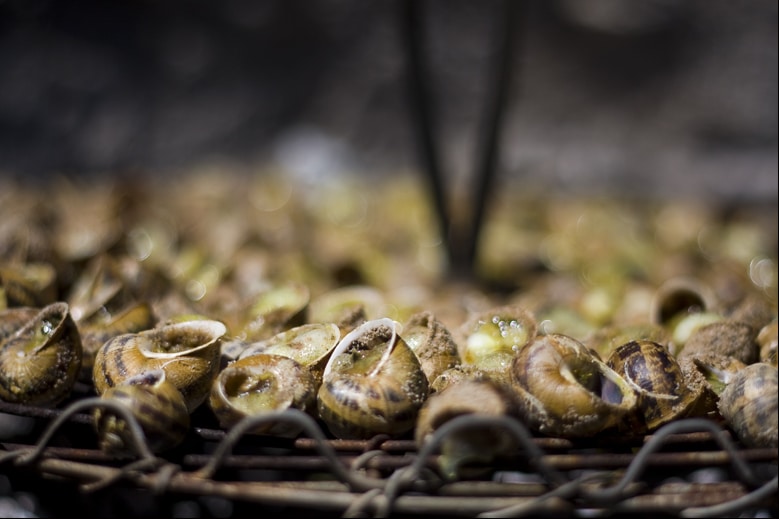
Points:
(689, 468)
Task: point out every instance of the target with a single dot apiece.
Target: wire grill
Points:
(688, 468)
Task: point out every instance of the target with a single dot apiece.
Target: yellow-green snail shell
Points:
(563, 389)
(347, 306)
(277, 308)
(39, 362)
(28, 284)
(492, 338)
(260, 384)
(309, 344)
(155, 403)
(188, 352)
(432, 342)
(467, 397)
(372, 384)
(657, 378)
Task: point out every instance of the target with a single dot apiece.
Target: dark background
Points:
(654, 97)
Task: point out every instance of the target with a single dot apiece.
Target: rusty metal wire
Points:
(366, 484)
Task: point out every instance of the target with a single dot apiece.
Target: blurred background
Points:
(653, 97)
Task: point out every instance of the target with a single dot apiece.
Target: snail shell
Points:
(608, 338)
(309, 344)
(11, 319)
(657, 378)
(768, 342)
(156, 404)
(565, 390)
(260, 384)
(432, 342)
(40, 361)
(348, 307)
(748, 403)
(28, 284)
(188, 352)
(727, 338)
(484, 397)
(492, 339)
(94, 334)
(275, 309)
(372, 384)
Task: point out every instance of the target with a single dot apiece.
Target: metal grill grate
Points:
(689, 468)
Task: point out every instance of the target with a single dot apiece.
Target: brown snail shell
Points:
(483, 397)
(11, 319)
(95, 333)
(28, 284)
(727, 338)
(308, 344)
(260, 384)
(563, 389)
(155, 403)
(39, 362)
(188, 352)
(432, 342)
(372, 384)
(608, 338)
(657, 378)
(748, 402)
(768, 342)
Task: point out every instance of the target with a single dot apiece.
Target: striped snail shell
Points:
(40, 361)
(155, 403)
(372, 384)
(657, 378)
(432, 342)
(748, 401)
(260, 384)
(188, 351)
(563, 389)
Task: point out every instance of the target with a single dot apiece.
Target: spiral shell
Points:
(749, 405)
(275, 309)
(347, 306)
(155, 403)
(372, 384)
(479, 397)
(94, 334)
(39, 362)
(432, 342)
(308, 344)
(565, 390)
(663, 394)
(260, 384)
(188, 352)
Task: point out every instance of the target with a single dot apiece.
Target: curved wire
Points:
(731, 508)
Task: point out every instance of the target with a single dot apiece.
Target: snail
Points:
(347, 306)
(681, 305)
(11, 319)
(565, 390)
(432, 342)
(767, 340)
(188, 351)
(28, 284)
(608, 338)
(747, 401)
(155, 403)
(492, 338)
(309, 344)
(372, 384)
(275, 309)
(467, 397)
(95, 333)
(657, 378)
(40, 361)
(259, 384)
